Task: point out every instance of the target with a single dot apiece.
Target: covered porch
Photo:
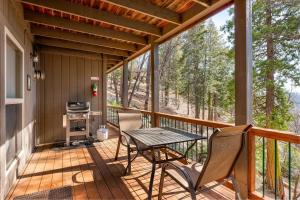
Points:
(62, 51)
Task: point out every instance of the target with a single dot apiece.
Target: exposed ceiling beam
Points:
(113, 62)
(78, 53)
(76, 37)
(149, 9)
(79, 46)
(205, 3)
(96, 14)
(192, 16)
(82, 27)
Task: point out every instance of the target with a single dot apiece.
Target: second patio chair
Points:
(224, 148)
(128, 120)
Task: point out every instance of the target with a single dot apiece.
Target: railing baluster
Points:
(263, 166)
(276, 157)
(196, 153)
(289, 175)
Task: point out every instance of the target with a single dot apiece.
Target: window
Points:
(14, 66)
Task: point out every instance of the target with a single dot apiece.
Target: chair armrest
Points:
(127, 140)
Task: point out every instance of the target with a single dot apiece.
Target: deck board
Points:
(94, 174)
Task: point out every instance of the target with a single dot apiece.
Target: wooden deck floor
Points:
(93, 174)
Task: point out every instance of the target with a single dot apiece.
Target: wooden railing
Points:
(257, 138)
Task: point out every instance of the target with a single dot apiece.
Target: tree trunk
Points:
(176, 97)
(204, 84)
(188, 99)
(209, 108)
(147, 86)
(115, 82)
(271, 173)
(215, 111)
(296, 194)
(197, 107)
(166, 99)
(136, 79)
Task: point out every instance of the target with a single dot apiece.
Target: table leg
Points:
(128, 168)
(152, 174)
(151, 181)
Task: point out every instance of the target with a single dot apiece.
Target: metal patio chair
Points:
(128, 120)
(224, 148)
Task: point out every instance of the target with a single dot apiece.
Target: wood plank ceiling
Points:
(117, 28)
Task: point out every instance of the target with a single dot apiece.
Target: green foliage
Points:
(283, 31)
(197, 62)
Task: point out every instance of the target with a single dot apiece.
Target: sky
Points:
(220, 18)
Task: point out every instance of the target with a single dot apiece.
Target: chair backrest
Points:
(224, 148)
(129, 120)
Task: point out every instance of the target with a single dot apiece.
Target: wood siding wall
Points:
(68, 78)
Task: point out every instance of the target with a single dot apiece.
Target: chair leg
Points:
(159, 157)
(236, 188)
(118, 147)
(161, 183)
(193, 194)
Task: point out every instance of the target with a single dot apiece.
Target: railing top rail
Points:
(275, 134)
(255, 131)
(124, 108)
(208, 123)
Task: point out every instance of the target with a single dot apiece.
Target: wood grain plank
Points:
(41, 103)
(73, 79)
(87, 79)
(48, 172)
(102, 187)
(108, 177)
(36, 177)
(95, 105)
(87, 175)
(49, 95)
(116, 171)
(80, 79)
(79, 188)
(67, 168)
(57, 178)
(25, 178)
(100, 88)
(57, 91)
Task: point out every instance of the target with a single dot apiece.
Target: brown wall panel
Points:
(57, 90)
(49, 96)
(68, 78)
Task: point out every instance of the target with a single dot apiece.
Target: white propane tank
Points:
(102, 133)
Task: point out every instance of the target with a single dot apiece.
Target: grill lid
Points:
(78, 106)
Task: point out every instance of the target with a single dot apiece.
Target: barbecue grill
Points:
(77, 119)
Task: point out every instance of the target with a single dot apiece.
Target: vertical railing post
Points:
(125, 84)
(104, 89)
(154, 83)
(243, 89)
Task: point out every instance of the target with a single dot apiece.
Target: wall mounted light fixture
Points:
(38, 74)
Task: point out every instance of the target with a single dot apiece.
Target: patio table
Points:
(152, 140)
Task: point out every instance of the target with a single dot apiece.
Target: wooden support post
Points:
(125, 84)
(243, 85)
(2, 115)
(104, 89)
(154, 83)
